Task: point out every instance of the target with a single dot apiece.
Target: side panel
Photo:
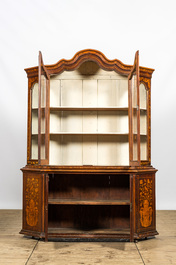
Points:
(145, 215)
(33, 204)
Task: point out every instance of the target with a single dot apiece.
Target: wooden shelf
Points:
(87, 233)
(87, 202)
(88, 108)
(89, 133)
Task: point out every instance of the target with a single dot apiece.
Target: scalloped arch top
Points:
(88, 55)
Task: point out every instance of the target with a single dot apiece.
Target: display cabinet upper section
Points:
(89, 110)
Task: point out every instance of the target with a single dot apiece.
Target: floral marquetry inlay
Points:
(32, 201)
(145, 202)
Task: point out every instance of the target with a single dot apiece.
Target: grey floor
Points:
(17, 249)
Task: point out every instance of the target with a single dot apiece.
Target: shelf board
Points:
(86, 233)
(87, 202)
(89, 133)
(89, 108)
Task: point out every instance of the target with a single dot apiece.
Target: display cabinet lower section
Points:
(89, 205)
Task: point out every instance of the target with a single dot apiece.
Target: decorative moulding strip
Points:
(88, 169)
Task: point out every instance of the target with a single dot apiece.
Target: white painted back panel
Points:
(89, 86)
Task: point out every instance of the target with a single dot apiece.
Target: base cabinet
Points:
(89, 205)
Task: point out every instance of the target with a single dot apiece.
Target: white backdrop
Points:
(61, 28)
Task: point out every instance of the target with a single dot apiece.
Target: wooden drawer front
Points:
(32, 202)
(145, 202)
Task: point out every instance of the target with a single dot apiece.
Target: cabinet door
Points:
(33, 203)
(144, 123)
(33, 121)
(145, 220)
(134, 113)
(43, 113)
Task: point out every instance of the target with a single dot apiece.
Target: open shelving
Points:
(82, 196)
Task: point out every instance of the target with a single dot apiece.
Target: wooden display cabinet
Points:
(88, 172)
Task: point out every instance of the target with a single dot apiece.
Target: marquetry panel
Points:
(145, 202)
(32, 202)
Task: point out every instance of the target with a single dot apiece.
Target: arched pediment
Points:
(89, 55)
